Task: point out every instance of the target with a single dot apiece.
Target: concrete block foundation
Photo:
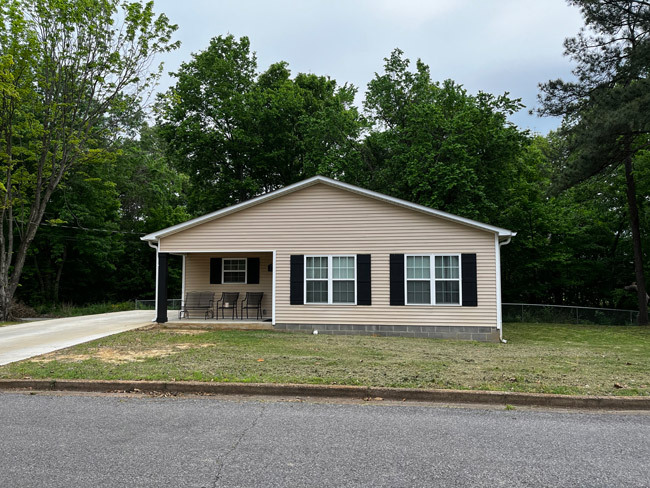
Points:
(470, 333)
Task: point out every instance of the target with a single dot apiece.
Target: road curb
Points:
(337, 391)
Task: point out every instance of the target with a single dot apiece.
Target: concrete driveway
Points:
(22, 341)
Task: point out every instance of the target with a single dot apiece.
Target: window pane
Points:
(234, 264)
(323, 267)
(350, 268)
(343, 292)
(317, 292)
(447, 267)
(418, 292)
(342, 268)
(418, 267)
(234, 270)
(317, 267)
(447, 292)
(234, 277)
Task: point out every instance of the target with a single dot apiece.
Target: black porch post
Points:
(161, 302)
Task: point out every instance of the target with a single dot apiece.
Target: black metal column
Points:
(161, 299)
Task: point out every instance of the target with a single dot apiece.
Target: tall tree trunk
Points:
(41, 281)
(59, 273)
(636, 239)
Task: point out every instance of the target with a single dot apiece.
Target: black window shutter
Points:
(468, 265)
(397, 279)
(296, 280)
(363, 280)
(215, 271)
(253, 271)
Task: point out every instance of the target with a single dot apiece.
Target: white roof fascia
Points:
(155, 236)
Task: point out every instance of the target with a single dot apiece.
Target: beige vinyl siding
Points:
(321, 219)
(197, 278)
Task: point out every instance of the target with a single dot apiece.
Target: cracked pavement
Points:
(67, 440)
(232, 450)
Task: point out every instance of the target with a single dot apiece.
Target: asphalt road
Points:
(22, 341)
(67, 440)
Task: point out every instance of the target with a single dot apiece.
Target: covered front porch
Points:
(215, 274)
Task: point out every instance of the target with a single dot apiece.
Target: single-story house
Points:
(336, 258)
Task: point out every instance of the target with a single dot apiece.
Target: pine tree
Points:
(606, 109)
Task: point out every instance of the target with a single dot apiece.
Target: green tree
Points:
(74, 248)
(89, 248)
(571, 247)
(65, 65)
(437, 145)
(305, 126)
(238, 134)
(607, 107)
(152, 196)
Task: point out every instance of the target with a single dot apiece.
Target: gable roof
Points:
(155, 236)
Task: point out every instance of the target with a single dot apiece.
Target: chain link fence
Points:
(566, 314)
(513, 312)
(172, 304)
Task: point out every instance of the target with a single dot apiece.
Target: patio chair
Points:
(228, 301)
(253, 300)
(202, 301)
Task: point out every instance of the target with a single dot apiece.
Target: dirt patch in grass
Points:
(183, 331)
(568, 359)
(115, 355)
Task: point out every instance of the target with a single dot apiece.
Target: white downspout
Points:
(497, 248)
(156, 296)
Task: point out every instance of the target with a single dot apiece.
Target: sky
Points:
(494, 46)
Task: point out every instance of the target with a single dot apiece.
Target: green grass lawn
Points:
(2, 324)
(544, 358)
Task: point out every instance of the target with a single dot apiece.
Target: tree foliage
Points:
(89, 249)
(237, 133)
(607, 107)
(65, 65)
(572, 247)
(437, 145)
(226, 132)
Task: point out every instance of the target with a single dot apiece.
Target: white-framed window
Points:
(331, 279)
(418, 280)
(234, 270)
(432, 279)
(316, 279)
